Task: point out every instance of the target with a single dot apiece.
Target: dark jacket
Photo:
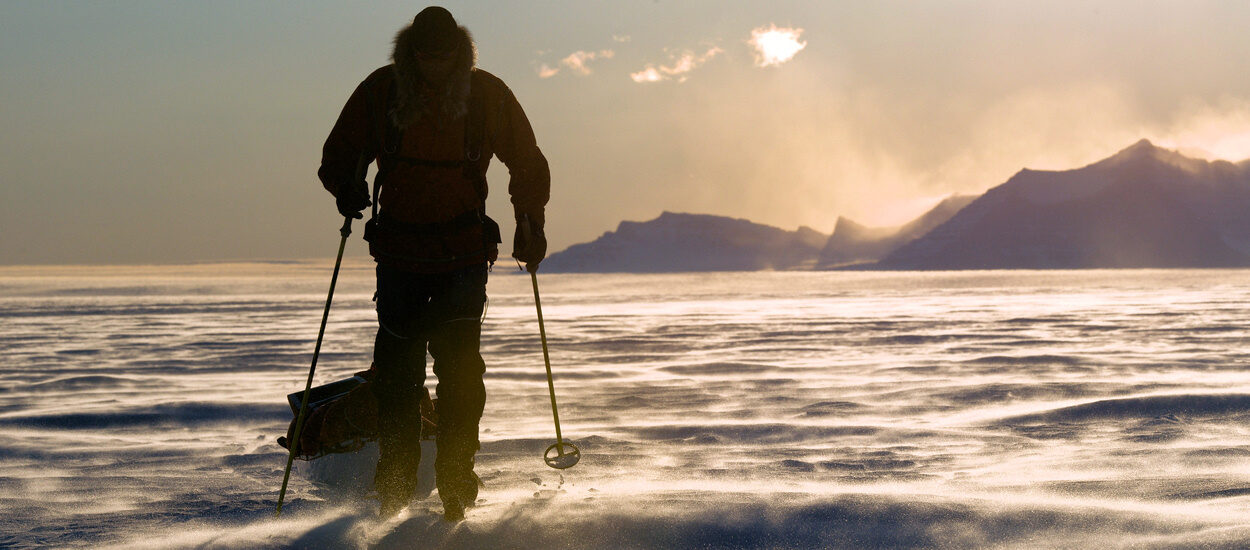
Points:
(428, 186)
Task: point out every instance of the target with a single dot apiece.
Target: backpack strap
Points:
(390, 145)
(474, 142)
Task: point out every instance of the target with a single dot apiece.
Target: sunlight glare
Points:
(649, 74)
(774, 46)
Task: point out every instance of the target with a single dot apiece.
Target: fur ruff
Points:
(410, 103)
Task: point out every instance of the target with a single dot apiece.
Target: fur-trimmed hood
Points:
(410, 103)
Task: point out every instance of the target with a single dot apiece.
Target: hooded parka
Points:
(433, 144)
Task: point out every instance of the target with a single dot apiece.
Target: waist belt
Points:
(458, 163)
(468, 218)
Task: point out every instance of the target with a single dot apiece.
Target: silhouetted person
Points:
(432, 121)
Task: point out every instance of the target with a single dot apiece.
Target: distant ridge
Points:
(1145, 206)
(852, 243)
(676, 242)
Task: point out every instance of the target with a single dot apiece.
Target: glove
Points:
(352, 198)
(529, 243)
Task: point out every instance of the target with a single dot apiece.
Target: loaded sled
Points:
(342, 417)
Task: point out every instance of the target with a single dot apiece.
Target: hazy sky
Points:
(179, 131)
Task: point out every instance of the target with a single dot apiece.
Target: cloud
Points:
(577, 62)
(774, 46)
(1218, 130)
(678, 69)
(546, 71)
(880, 155)
(649, 74)
(620, 38)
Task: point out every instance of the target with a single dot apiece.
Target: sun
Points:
(774, 46)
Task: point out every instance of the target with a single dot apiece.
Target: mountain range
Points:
(1142, 207)
(1145, 206)
(677, 242)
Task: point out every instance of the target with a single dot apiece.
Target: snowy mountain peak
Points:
(1145, 206)
(1142, 145)
(1143, 151)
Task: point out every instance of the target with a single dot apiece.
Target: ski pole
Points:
(361, 166)
(562, 460)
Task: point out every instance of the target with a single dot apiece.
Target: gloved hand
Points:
(352, 198)
(529, 243)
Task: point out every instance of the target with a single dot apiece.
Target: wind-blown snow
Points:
(139, 409)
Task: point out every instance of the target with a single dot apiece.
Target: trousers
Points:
(441, 313)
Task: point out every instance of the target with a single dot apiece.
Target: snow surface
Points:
(139, 409)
